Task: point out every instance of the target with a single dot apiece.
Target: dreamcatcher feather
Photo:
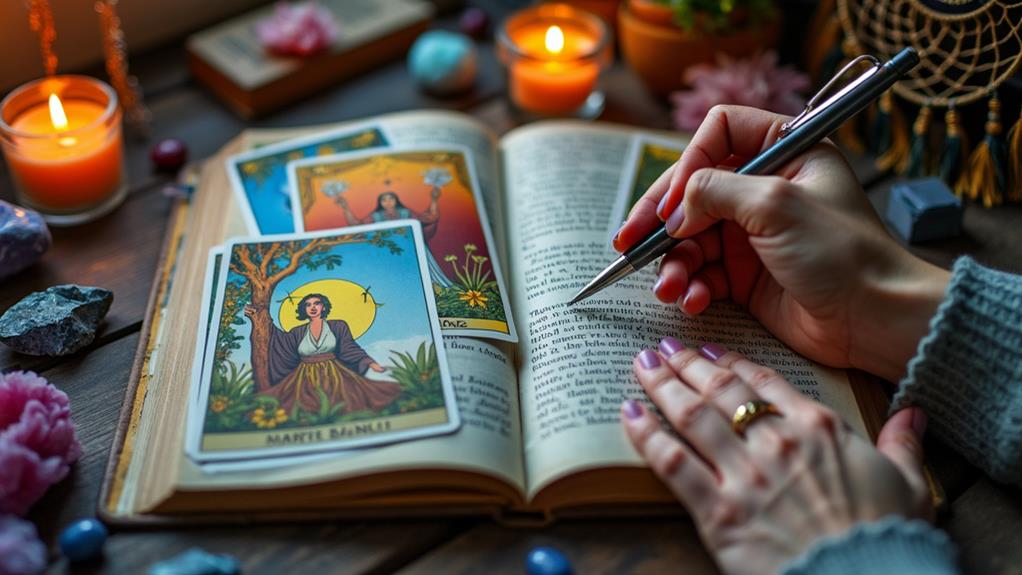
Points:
(968, 49)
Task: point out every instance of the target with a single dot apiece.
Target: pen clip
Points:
(813, 106)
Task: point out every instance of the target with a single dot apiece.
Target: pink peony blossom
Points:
(37, 439)
(757, 82)
(21, 551)
(297, 29)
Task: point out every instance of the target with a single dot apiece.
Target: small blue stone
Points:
(443, 63)
(83, 540)
(195, 561)
(547, 561)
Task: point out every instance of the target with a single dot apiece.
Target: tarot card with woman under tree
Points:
(321, 341)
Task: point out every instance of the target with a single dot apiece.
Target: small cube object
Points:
(925, 209)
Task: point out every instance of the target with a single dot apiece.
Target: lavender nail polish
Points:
(675, 220)
(712, 351)
(649, 359)
(660, 206)
(670, 346)
(632, 409)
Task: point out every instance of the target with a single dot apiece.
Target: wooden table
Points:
(119, 252)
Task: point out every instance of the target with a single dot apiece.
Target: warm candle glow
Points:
(554, 40)
(57, 115)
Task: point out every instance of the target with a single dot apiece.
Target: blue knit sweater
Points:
(967, 376)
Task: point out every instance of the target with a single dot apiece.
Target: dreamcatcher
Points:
(968, 48)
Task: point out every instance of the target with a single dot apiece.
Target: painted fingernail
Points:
(670, 346)
(632, 409)
(617, 234)
(712, 351)
(649, 359)
(661, 205)
(919, 421)
(657, 284)
(675, 220)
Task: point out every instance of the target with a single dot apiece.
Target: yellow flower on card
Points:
(474, 298)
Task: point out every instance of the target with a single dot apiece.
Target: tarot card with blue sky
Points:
(259, 177)
(322, 341)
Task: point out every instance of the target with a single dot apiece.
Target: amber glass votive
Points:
(61, 137)
(553, 55)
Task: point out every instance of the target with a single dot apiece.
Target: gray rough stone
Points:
(58, 321)
(24, 238)
(195, 561)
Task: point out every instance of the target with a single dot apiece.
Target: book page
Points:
(575, 364)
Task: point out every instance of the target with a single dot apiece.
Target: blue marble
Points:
(443, 63)
(195, 561)
(24, 238)
(547, 561)
(83, 540)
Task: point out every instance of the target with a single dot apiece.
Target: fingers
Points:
(643, 219)
(698, 422)
(765, 382)
(758, 204)
(691, 480)
(727, 131)
(721, 386)
(901, 441)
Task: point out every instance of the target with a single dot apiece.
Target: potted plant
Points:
(661, 38)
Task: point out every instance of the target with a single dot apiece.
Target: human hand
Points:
(376, 367)
(803, 250)
(760, 500)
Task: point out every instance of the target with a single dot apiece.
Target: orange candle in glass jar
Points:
(554, 54)
(62, 140)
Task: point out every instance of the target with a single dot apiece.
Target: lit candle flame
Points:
(554, 40)
(57, 115)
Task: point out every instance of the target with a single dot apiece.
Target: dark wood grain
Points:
(986, 522)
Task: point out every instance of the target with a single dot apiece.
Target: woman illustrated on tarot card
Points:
(322, 355)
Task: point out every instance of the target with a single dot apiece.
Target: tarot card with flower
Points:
(321, 341)
(437, 187)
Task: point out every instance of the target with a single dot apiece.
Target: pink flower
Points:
(757, 82)
(297, 29)
(21, 551)
(37, 439)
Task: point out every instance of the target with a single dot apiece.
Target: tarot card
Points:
(439, 188)
(322, 341)
(647, 158)
(259, 177)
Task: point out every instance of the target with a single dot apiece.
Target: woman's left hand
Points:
(376, 367)
(759, 499)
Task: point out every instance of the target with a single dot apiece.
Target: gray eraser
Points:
(922, 210)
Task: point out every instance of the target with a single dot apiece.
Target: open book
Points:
(540, 435)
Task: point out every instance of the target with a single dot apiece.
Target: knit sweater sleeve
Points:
(967, 372)
(892, 545)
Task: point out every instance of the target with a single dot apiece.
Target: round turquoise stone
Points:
(83, 540)
(547, 561)
(443, 63)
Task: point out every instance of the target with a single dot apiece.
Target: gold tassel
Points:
(985, 179)
(1015, 161)
(896, 156)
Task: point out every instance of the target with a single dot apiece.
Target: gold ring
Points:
(751, 411)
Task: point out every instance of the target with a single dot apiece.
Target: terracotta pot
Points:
(659, 51)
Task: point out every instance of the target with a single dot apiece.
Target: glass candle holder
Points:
(553, 55)
(62, 140)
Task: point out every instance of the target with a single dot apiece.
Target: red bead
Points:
(169, 154)
(474, 22)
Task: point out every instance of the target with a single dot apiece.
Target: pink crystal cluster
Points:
(757, 82)
(21, 551)
(297, 30)
(37, 439)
